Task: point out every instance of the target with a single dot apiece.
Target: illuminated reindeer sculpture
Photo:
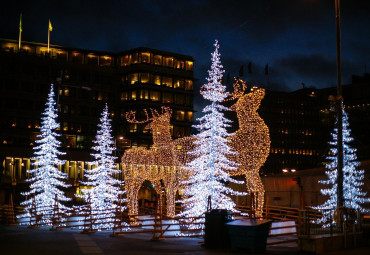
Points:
(251, 141)
(162, 162)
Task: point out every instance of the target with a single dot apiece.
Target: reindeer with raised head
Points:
(162, 162)
(251, 141)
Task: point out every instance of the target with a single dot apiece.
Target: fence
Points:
(293, 222)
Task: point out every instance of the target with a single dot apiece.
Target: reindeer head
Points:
(246, 103)
(159, 124)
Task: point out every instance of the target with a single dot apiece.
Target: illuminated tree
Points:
(210, 166)
(353, 179)
(251, 141)
(46, 179)
(104, 196)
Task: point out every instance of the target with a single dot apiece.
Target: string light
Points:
(46, 180)
(353, 178)
(251, 140)
(162, 162)
(210, 166)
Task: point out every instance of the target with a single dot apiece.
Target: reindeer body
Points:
(162, 162)
(252, 142)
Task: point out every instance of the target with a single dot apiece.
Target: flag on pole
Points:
(20, 24)
(20, 33)
(267, 69)
(50, 26)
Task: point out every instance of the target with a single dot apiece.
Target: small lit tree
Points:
(210, 165)
(353, 178)
(45, 195)
(104, 197)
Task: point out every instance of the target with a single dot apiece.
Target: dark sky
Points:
(296, 38)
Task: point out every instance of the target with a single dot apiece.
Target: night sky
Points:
(296, 38)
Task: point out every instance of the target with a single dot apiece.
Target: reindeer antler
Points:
(239, 89)
(131, 117)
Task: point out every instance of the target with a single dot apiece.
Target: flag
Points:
(241, 71)
(50, 26)
(267, 69)
(250, 67)
(20, 24)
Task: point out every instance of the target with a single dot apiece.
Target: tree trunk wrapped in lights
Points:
(210, 166)
(104, 196)
(353, 178)
(47, 179)
(251, 141)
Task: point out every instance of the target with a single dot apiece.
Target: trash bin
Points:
(216, 233)
(249, 234)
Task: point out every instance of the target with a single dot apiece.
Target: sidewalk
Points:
(21, 240)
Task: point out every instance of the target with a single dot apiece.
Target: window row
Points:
(16, 168)
(155, 59)
(294, 151)
(157, 96)
(102, 60)
(158, 80)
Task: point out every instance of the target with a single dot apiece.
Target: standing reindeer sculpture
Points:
(251, 141)
(162, 162)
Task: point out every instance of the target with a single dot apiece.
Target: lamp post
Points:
(339, 105)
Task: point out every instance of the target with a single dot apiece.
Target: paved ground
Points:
(20, 240)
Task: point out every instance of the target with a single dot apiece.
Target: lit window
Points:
(180, 115)
(189, 65)
(105, 61)
(179, 64)
(135, 58)
(65, 126)
(133, 128)
(145, 57)
(92, 59)
(133, 95)
(144, 94)
(133, 78)
(124, 96)
(157, 59)
(189, 116)
(189, 85)
(125, 60)
(157, 79)
(179, 84)
(154, 95)
(167, 81)
(168, 61)
(144, 77)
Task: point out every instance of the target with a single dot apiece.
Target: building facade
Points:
(84, 81)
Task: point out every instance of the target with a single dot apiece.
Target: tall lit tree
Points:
(45, 195)
(210, 165)
(353, 178)
(103, 198)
